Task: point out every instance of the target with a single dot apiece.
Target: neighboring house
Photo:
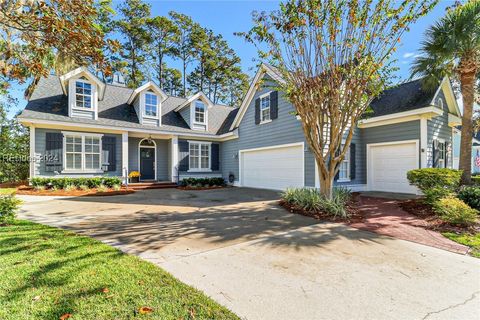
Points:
(94, 129)
(475, 151)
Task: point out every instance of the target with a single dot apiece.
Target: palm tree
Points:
(452, 48)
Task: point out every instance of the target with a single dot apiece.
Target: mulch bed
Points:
(421, 210)
(201, 188)
(13, 184)
(26, 190)
(354, 214)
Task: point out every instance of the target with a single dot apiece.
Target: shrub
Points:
(84, 187)
(8, 209)
(70, 188)
(202, 182)
(455, 211)
(476, 180)
(435, 183)
(471, 196)
(117, 187)
(62, 183)
(311, 200)
(102, 188)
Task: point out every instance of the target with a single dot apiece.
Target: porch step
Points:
(152, 185)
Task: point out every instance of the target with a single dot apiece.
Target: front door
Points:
(147, 163)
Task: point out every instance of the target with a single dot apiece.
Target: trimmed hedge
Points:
(435, 183)
(62, 183)
(455, 211)
(476, 180)
(202, 182)
(471, 196)
(8, 209)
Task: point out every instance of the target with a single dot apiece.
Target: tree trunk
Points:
(184, 76)
(326, 185)
(160, 67)
(467, 80)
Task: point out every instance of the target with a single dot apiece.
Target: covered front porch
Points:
(155, 157)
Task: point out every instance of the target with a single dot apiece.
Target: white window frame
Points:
(346, 161)
(262, 97)
(195, 112)
(443, 154)
(145, 115)
(92, 106)
(81, 135)
(72, 97)
(200, 144)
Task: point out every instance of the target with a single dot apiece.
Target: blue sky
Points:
(226, 17)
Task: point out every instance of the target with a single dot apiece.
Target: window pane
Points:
(88, 161)
(69, 147)
(77, 161)
(69, 164)
(96, 161)
(205, 163)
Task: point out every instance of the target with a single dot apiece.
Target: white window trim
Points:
(64, 152)
(190, 142)
(269, 107)
(192, 115)
(91, 95)
(72, 96)
(144, 106)
(347, 160)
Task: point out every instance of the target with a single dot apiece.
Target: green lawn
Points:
(6, 191)
(473, 241)
(47, 272)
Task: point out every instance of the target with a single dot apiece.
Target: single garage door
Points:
(389, 164)
(274, 168)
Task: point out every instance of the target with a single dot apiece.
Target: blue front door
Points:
(147, 163)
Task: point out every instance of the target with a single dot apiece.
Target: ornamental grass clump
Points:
(311, 200)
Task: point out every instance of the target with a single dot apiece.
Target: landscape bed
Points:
(49, 273)
(26, 190)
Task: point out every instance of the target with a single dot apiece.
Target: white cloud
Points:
(408, 55)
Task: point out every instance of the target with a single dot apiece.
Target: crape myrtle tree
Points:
(452, 48)
(334, 59)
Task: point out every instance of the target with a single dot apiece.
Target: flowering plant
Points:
(134, 174)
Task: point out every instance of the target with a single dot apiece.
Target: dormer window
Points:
(199, 112)
(151, 105)
(83, 94)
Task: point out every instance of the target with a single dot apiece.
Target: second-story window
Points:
(265, 108)
(83, 94)
(151, 105)
(199, 112)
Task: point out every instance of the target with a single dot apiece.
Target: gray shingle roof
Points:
(403, 97)
(49, 103)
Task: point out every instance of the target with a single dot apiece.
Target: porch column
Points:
(173, 159)
(125, 156)
(423, 142)
(32, 159)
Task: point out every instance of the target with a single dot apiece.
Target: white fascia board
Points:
(453, 120)
(79, 126)
(77, 73)
(149, 85)
(427, 112)
(199, 95)
(262, 70)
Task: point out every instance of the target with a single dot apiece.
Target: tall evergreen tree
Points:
(133, 28)
(164, 34)
(173, 81)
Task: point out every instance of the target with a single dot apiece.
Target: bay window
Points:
(199, 155)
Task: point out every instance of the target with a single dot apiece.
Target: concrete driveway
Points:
(239, 247)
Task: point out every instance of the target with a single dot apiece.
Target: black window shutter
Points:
(337, 175)
(53, 151)
(109, 157)
(274, 105)
(352, 161)
(215, 157)
(446, 154)
(257, 111)
(435, 154)
(183, 157)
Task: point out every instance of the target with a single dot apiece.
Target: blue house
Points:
(83, 127)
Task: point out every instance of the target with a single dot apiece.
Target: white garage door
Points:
(274, 168)
(388, 166)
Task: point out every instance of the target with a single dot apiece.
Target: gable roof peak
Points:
(78, 73)
(199, 95)
(149, 85)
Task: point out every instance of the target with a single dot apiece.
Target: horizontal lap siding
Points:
(286, 129)
(437, 128)
(389, 133)
(40, 150)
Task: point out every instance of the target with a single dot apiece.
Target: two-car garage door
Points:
(388, 165)
(276, 168)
